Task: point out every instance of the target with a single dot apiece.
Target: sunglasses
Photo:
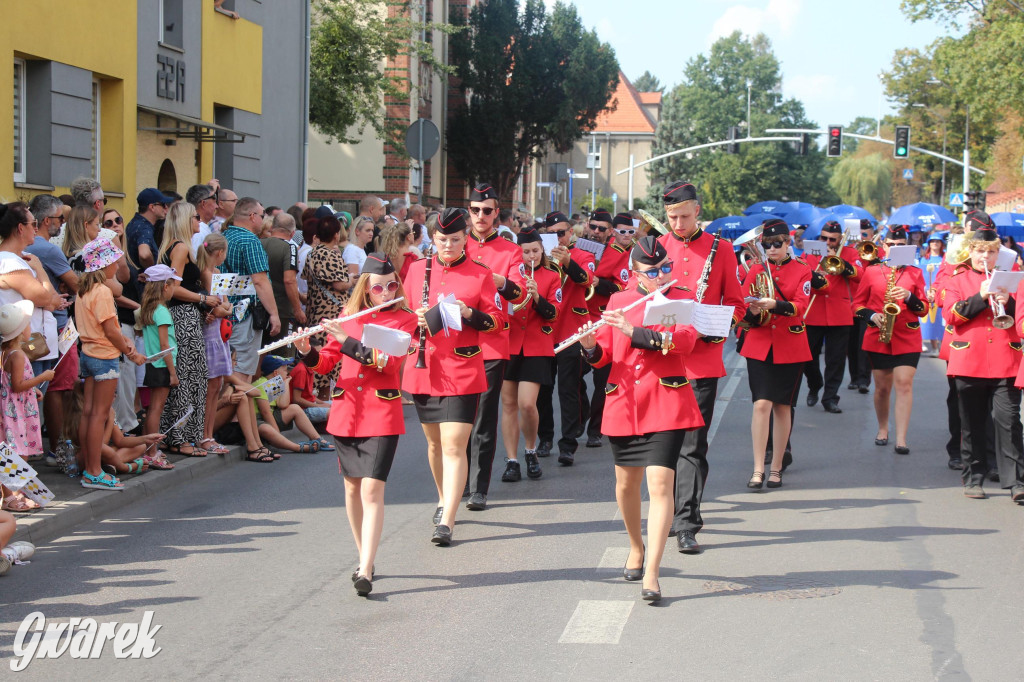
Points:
(832, 240)
(486, 210)
(378, 289)
(889, 243)
(625, 232)
(110, 222)
(560, 233)
(597, 228)
(774, 244)
(654, 272)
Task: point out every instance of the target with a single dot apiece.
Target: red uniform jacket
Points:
(783, 332)
(906, 333)
(612, 276)
(506, 259)
(688, 257)
(833, 294)
(532, 330)
(977, 349)
(367, 401)
(455, 363)
(577, 277)
(647, 388)
(939, 284)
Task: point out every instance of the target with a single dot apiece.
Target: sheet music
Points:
(900, 256)
(815, 247)
(1007, 257)
(227, 284)
(15, 472)
(713, 320)
(852, 229)
(1005, 282)
(661, 311)
(386, 339)
(591, 246)
(549, 241)
(451, 314)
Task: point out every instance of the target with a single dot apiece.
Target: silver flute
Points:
(600, 323)
(323, 325)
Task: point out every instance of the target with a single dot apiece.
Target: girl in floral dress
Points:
(18, 392)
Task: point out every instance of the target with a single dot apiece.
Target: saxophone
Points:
(890, 309)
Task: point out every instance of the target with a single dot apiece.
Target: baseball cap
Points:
(274, 362)
(152, 195)
(161, 273)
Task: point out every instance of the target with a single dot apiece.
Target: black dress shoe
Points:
(593, 441)
(862, 388)
(688, 543)
(852, 386)
(442, 536)
(477, 502)
(812, 398)
(756, 482)
(832, 407)
(881, 442)
(955, 463)
(634, 574)
(566, 459)
(787, 459)
(653, 596)
(438, 513)
(902, 450)
(363, 585)
(993, 475)
(775, 482)
(544, 448)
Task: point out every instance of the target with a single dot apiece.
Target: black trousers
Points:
(836, 341)
(953, 415)
(484, 438)
(1000, 398)
(597, 400)
(569, 380)
(860, 370)
(692, 465)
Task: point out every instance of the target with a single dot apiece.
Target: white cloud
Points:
(821, 93)
(777, 19)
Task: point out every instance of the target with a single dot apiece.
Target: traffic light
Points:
(835, 141)
(733, 147)
(803, 145)
(974, 201)
(901, 148)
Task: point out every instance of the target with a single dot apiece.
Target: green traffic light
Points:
(901, 150)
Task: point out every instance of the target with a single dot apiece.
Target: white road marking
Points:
(725, 396)
(614, 559)
(597, 622)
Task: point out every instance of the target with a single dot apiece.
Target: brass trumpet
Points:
(526, 301)
(1000, 320)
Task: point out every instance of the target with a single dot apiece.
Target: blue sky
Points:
(831, 52)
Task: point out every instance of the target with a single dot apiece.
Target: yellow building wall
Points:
(113, 60)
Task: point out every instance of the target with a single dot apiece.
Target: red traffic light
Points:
(834, 132)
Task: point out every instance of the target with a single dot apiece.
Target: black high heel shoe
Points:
(634, 574)
(363, 585)
(756, 480)
(882, 442)
(902, 450)
(652, 596)
(774, 479)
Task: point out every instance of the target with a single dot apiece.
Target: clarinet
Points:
(705, 274)
(421, 358)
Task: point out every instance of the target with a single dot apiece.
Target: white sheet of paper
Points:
(156, 356)
(15, 472)
(67, 337)
(815, 247)
(274, 388)
(851, 226)
(1007, 257)
(900, 256)
(713, 320)
(1005, 282)
(386, 339)
(549, 241)
(591, 246)
(636, 223)
(664, 312)
(451, 316)
(38, 493)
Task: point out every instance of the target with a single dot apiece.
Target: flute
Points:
(421, 357)
(600, 323)
(320, 327)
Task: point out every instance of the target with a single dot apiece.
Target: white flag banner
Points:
(38, 493)
(15, 472)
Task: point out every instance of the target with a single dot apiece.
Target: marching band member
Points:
(984, 359)
(860, 372)
(611, 276)
(830, 318)
(893, 362)
(653, 404)
(366, 409)
(690, 247)
(577, 275)
(505, 260)
(532, 356)
(775, 344)
(447, 390)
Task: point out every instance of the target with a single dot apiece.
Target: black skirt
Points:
(366, 457)
(658, 449)
(537, 369)
(434, 409)
(883, 361)
(777, 383)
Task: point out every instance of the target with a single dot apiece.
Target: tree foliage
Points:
(712, 97)
(531, 80)
(648, 82)
(864, 180)
(350, 43)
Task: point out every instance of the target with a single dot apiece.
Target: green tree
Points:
(531, 81)
(865, 181)
(600, 201)
(648, 82)
(862, 125)
(711, 98)
(350, 43)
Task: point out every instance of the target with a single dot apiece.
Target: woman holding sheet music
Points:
(366, 412)
(893, 362)
(774, 344)
(653, 404)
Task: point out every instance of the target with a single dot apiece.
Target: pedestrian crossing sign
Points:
(956, 199)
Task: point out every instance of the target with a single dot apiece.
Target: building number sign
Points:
(170, 78)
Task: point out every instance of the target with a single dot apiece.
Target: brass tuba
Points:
(750, 255)
(890, 310)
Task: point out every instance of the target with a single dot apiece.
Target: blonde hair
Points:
(152, 298)
(356, 224)
(87, 281)
(972, 243)
(392, 240)
(177, 227)
(359, 299)
(213, 243)
(75, 236)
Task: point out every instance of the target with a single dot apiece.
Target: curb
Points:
(53, 521)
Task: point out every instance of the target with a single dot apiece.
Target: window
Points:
(95, 141)
(593, 152)
(19, 120)
(172, 30)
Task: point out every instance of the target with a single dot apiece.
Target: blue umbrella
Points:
(1009, 224)
(921, 215)
(775, 208)
(848, 211)
(805, 215)
(813, 230)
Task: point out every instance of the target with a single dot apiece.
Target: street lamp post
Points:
(942, 190)
(967, 134)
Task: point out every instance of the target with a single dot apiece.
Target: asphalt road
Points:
(864, 566)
